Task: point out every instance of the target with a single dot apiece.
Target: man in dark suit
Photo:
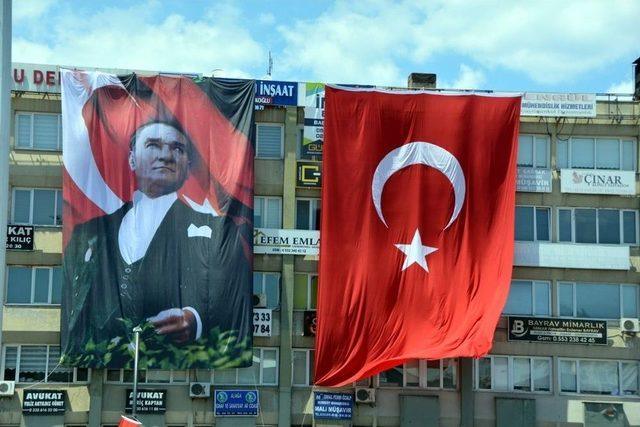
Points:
(155, 259)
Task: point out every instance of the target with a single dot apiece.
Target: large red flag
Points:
(416, 249)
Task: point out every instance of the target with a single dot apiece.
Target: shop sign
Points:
(310, 323)
(311, 97)
(262, 318)
(332, 406)
(149, 401)
(533, 180)
(554, 330)
(269, 92)
(286, 242)
(558, 104)
(236, 403)
(309, 174)
(43, 402)
(592, 181)
(20, 237)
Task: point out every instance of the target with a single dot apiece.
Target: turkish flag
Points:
(128, 422)
(416, 250)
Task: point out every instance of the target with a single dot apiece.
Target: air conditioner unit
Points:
(259, 300)
(7, 388)
(365, 395)
(629, 324)
(200, 390)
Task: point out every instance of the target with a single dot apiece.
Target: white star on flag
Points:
(416, 252)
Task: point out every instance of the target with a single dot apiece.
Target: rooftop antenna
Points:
(270, 65)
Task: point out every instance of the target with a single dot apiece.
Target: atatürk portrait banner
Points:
(158, 207)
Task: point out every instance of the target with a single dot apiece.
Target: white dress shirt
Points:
(137, 229)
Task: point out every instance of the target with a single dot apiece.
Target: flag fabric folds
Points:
(418, 205)
(128, 422)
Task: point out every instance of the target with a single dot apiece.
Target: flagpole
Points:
(5, 118)
(134, 405)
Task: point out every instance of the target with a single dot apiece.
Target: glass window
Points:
(500, 373)
(305, 291)
(10, 363)
(598, 377)
(609, 226)
(582, 153)
(34, 285)
(541, 375)
(269, 285)
(542, 224)
(564, 225)
(264, 370)
(269, 141)
(412, 373)
(391, 377)
(628, 155)
(542, 152)
(40, 131)
(449, 374)
(37, 206)
(308, 214)
(521, 374)
(629, 378)
(303, 367)
(608, 154)
(533, 151)
(527, 298)
(568, 376)
(562, 151)
(267, 212)
(433, 373)
(524, 223)
(598, 153)
(585, 225)
(629, 227)
(525, 151)
(514, 373)
(598, 300)
(484, 373)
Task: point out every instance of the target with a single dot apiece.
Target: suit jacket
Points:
(212, 275)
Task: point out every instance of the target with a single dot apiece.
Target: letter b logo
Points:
(518, 328)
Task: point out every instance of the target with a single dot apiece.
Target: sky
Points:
(540, 46)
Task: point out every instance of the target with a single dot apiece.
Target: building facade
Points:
(576, 264)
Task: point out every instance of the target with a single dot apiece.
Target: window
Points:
(37, 206)
(532, 224)
(302, 362)
(597, 153)
(528, 297)
(269, 285)
(38, 363)
(147, 376)
(597, 300)
(40, 131)
(513, 373)
(604, 226)
(533, 151)
(305, 291)
(269, 141)
(436, 374)
(308, 214)
(267, 212)
(34, 285)
(604, 377)
(264, 370)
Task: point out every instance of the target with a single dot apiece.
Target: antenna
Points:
(270, 65)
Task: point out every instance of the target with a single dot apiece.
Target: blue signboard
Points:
(270, 92)
(333, 406)
(236, 403)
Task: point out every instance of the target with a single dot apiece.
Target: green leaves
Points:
(218, 350)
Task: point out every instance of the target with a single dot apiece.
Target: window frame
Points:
(533, 297)
(595, 139)
(311, 216)
(31, 207)
(574, 298)
(577, 361)
(534, 137)
(510, 374)
(621, 212)
(31, 115)
(260, 380)
(265, 200)
(264, 285)
(535, 222)
(145, 377)
(309, 289)
(47, 371)
(308, 364)
(422, 377)
(33, 269)
(267, 124)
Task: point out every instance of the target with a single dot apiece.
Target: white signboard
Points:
(588, 181)
(262, 322)
(558, 104)
(533, 180)
(286, 242)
